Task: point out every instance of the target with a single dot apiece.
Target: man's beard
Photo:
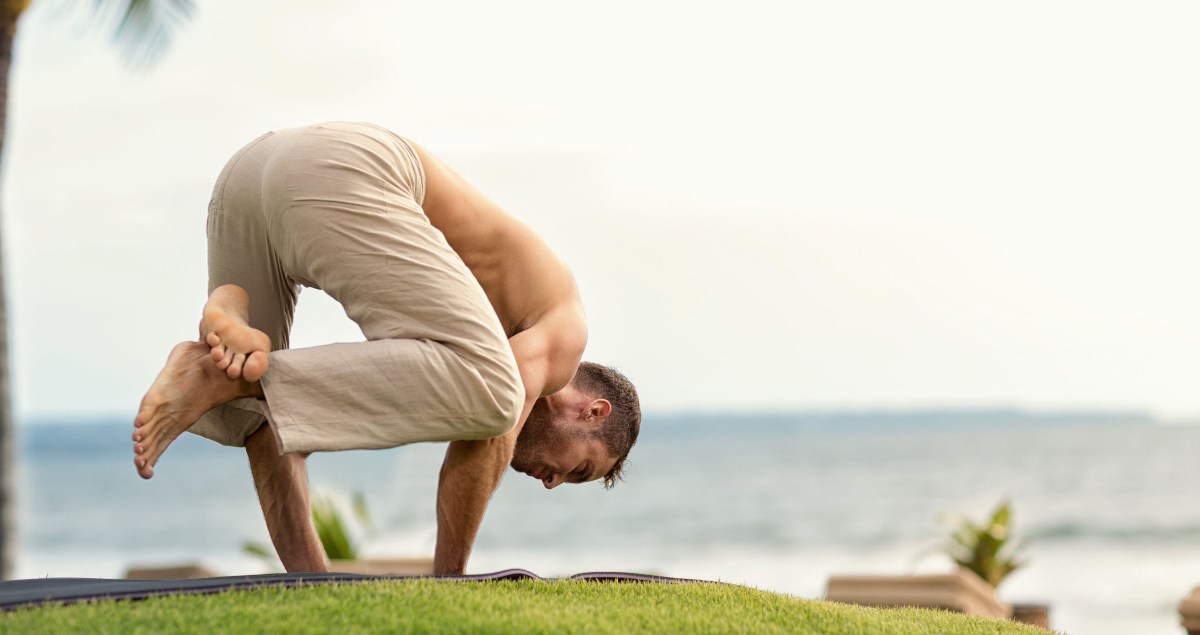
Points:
(534, 441)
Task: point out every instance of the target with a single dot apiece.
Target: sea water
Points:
(778, 502)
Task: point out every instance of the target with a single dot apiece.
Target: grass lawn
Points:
(427, 606)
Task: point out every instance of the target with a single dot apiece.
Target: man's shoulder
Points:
(555, 342)
(561, 330)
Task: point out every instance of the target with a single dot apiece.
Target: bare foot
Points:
(189, 385)
(237, 348)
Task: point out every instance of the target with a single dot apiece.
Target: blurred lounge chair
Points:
(384, 566)
(173, 572)
(960, 591)
(1189, 612)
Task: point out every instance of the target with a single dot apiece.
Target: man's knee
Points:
(508, 397)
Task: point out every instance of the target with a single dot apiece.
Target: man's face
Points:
(557, 450)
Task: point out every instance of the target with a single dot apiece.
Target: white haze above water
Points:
(778, 205)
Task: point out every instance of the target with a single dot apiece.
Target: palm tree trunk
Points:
(8, 29)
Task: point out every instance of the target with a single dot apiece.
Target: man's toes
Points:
(156, 452)
(145, 439)
(235, 368)
(145, 412)
(255, 366)
(222, 356)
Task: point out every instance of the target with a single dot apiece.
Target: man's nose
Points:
(552, 481)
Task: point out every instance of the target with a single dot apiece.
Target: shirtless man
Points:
(474, 335)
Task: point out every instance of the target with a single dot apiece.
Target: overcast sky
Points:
(767, 205)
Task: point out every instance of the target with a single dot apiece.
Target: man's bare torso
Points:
(529, 287)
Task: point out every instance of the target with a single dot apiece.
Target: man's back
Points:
(530, 288)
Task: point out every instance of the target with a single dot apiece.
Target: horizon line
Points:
(1021, 412)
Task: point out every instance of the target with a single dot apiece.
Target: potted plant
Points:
(989, 551)
(985, 549)
(984, 554)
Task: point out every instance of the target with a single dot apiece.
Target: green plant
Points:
(334, 533)
(986, 549)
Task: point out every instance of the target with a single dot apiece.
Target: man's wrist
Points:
(448, 565)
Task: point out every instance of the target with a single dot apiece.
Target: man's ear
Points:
(597, 409)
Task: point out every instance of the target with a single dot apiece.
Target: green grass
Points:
(495, 607)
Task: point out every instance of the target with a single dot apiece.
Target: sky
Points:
(767, 205)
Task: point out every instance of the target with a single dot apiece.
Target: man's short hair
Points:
(620, 430)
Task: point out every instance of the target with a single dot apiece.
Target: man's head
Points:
(582, 432)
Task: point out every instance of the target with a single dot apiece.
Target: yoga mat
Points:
(24, 593)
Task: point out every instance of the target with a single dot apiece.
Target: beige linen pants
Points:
(337, 206)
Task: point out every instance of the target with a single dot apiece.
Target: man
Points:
(474, 335)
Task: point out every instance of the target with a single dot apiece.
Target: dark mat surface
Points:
(21, 593)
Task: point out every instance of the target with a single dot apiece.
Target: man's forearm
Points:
(282, 484)
(470, 474)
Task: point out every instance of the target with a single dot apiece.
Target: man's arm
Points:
(282, 484)
(472, 470)
(470, 475)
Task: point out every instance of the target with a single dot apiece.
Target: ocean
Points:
(774, 501)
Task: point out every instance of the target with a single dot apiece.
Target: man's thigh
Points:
(343, 216)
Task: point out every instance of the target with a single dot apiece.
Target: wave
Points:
(1126, 534)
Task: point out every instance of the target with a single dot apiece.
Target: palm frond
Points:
(260, 550)
(331, 531)
(360, 509)
(145, 27)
